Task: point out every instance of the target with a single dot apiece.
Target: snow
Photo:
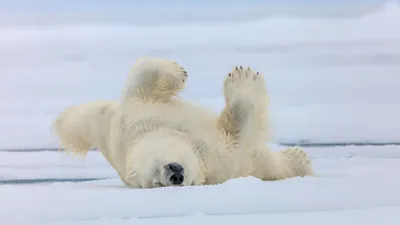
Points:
(354, 185)
(334, 74)
(332, 81)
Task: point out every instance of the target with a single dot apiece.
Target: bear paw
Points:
(244, 83)
(164, 68)
(298, 162)
(155, 78)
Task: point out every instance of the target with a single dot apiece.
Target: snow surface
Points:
(354, 186)
(329, 79)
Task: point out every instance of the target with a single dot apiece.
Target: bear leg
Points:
(244, 117)
(272, 165)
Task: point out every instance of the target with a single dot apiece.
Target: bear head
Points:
(162, 159)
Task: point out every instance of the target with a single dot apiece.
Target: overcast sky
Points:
(40, 12)
(94, 5)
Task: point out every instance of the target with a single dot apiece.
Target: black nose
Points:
(175, 167)
(176, 179)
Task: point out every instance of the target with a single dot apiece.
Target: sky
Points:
(57, 12)
(94, 5)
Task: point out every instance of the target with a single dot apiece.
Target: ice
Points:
(329, 79)
(41, 165)
(354, 185)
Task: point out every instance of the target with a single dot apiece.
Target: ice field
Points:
(355, 185)
(332, 82)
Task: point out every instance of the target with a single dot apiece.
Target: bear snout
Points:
(175, 170)
(176, 179)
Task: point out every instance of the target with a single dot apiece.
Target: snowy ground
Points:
(355, 185)
(331, 81)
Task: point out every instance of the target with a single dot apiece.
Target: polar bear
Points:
(152, 138)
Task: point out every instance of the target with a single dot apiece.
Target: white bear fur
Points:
(151, 127)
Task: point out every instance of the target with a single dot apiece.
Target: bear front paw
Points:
(163, 68)
(156, 79)
(173, 69)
